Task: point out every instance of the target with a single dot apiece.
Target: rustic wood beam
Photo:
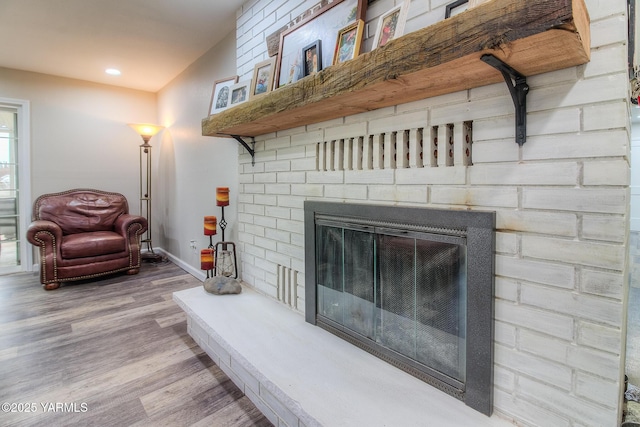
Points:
(533, 37)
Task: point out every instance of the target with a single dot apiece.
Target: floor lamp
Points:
(146, 131)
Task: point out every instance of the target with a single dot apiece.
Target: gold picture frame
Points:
(348, 42)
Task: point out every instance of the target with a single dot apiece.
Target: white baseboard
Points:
(198, 274)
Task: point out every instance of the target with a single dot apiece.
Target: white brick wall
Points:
(561, 202)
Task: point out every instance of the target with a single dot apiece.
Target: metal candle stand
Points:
(223, 252)
(213, 248)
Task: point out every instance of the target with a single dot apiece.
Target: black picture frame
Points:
(312, 58)
(451, 8)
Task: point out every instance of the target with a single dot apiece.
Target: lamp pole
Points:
(146, 132)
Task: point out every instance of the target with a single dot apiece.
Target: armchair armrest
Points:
(44, 233)
(47, 236)
(130, 226)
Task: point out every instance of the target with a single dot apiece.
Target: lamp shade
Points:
(146, 130)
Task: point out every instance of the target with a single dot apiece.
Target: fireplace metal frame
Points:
(478, 227)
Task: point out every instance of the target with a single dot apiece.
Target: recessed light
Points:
(112, 71)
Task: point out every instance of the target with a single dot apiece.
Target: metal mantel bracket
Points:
(251, 150)
(518, 92)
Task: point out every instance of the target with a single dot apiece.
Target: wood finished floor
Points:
(117, 348)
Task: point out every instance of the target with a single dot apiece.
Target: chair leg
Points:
(51, 286)
(133, 271)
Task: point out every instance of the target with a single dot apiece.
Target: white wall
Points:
(190, 166)
(79, 132)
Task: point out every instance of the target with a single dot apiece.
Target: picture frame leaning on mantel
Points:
(391, 24)
(239, 93)
(349, 42)
(312, 58)
(263, 75)
(453, 9)
(220, 96)
(323, 25)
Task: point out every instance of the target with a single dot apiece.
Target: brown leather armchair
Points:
(84, 233)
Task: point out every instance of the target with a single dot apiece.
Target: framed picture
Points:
(474, 3)
(455, 8)
(239, 93)
(348, 43)
(220, 96)
(312, 56)
(322, 25)
(391, 24)
(273, 39)
(262, 81)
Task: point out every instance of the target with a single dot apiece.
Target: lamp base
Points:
(151, 257)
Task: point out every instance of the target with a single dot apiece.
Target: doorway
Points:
(15, 254)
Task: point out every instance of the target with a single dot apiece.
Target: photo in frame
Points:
(262, 81)
(273, 39)
(322, 25)
(348, 43)
(220, 96)
(312, 56)
(391, 24)
(474, 3)
(455, 8)
(239, 93)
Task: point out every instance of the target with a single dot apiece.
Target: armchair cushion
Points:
(84, 233)
(90, 244)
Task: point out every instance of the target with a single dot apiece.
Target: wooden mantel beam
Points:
(533, 37)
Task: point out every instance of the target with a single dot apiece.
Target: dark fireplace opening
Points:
(412, 286)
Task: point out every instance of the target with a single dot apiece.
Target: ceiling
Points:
(149, 41)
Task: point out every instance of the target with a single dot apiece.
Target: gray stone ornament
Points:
(222, 285)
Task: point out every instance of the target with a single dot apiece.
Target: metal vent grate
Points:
(426, 147)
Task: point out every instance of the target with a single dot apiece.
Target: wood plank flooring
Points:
(110, 352)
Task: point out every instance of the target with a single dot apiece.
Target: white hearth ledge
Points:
(299, 375)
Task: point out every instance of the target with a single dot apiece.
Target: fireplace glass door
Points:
(402, 291)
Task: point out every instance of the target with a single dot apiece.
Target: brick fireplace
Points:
(561, 203)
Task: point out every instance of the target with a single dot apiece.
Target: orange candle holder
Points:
(206, 259)
(210, 225)
(222, 196)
